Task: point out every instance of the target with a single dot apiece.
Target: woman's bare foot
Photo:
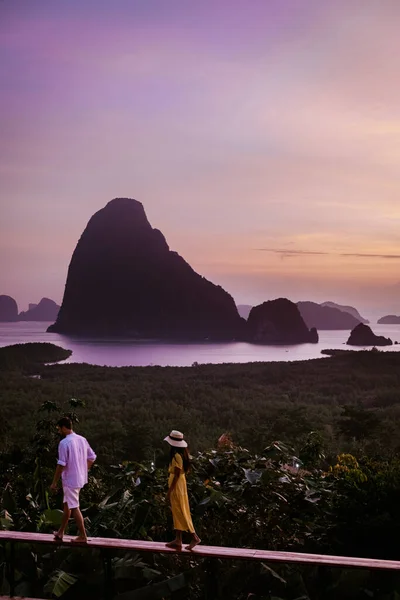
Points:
(177, 544)
(195, 541)
(79, 540)
(57, 536)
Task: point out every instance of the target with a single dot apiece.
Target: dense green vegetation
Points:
(247, 490)
(352, 399)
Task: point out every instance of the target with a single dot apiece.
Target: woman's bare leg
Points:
(195, 540)
(177, 542)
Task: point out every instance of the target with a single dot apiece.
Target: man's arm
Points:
(61, 464)
(57, 475)
(91, 456)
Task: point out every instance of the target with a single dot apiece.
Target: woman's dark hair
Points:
(65, 422)
(184, 452)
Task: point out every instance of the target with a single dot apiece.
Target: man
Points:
(75, 457)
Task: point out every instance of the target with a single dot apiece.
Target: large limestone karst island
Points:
(124, 280)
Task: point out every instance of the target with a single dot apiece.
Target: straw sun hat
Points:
(175, 438)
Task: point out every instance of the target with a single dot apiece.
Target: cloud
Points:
(364, 255)
(292, 252)
(345, 254)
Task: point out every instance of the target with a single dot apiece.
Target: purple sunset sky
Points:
(261, 136)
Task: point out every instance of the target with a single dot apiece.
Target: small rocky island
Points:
(8, 309)
(279, 322)
(389, 320)
(362, 335)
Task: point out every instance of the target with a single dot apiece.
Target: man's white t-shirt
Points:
(73, 453)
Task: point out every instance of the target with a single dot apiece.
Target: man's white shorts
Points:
(71, 497)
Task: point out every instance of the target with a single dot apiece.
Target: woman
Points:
(177, 492)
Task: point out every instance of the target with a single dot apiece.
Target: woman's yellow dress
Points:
(179, 497)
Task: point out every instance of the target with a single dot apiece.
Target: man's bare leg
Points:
(82, 537)
(58, 535)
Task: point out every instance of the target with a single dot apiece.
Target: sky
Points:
(262, 137)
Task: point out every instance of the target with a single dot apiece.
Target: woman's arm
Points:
(177, 473)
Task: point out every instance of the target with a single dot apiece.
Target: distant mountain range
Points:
(348, 309)
(244, 310)
(326, 317)
(46, 310)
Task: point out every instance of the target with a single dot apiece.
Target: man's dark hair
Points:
(65, 422)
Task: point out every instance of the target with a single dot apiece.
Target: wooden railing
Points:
(201, 551)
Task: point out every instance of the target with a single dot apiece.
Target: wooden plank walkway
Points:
(208, 551)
